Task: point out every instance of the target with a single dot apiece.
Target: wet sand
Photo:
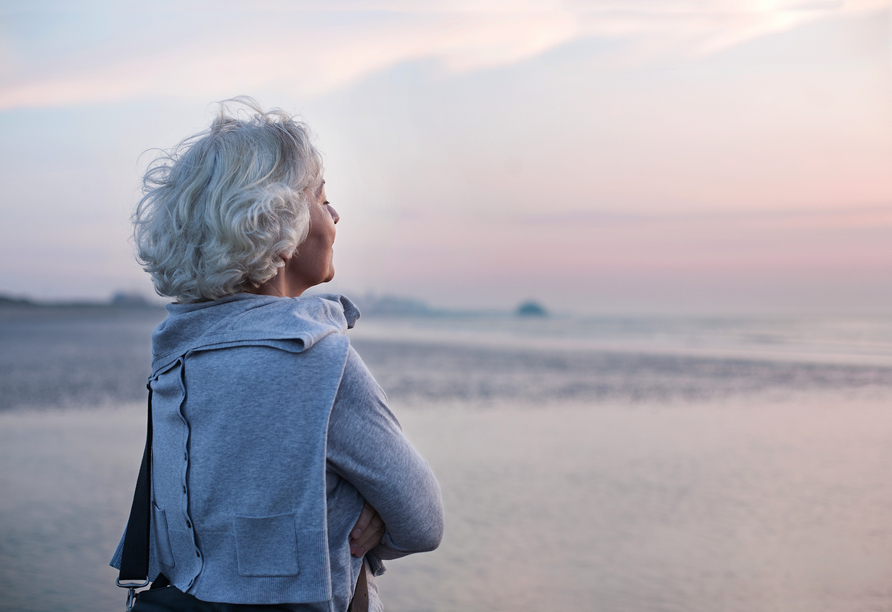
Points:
(749, 504)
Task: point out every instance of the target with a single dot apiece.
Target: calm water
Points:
(587, 464)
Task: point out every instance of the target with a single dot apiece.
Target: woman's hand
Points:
(367, 532)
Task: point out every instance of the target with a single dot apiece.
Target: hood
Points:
(293, 324)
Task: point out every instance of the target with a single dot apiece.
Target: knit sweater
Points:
(269, 434)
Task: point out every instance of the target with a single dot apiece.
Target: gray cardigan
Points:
(269, 432)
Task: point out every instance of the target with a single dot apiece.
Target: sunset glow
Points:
(634, 156)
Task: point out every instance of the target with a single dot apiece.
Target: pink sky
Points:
(600, 156)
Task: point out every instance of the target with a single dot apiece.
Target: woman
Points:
(279, 475)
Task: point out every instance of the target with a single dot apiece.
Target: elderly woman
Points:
(279, 475)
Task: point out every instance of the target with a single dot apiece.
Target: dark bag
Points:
(165, 598)
(170, 599)
(162, 597)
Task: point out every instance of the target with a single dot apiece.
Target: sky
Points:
(643, 156)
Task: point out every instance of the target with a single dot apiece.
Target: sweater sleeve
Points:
(366, 446)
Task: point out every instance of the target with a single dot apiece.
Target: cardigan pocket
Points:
(162, 537)
(266, 546)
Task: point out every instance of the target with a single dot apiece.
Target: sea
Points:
(617, 463)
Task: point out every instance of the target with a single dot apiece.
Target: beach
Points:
(575, 478)
(624, 272)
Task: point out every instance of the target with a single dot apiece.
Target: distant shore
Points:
(369, 304)
(118, 300)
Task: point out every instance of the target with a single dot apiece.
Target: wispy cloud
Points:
(871, 216)
(199, 50)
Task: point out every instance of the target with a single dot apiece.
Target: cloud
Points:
(868, 216)
(309, 61)
(199, 51)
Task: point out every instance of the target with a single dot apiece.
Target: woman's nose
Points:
(334, 214)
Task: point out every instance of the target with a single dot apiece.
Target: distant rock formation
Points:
(389, 305)
(130, 300)
(6, 300)
(531, 309)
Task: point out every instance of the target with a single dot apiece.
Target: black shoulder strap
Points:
(135, 554)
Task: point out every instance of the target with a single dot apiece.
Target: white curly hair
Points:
(220, 208)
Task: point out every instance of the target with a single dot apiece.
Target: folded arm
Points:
(366, 446)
